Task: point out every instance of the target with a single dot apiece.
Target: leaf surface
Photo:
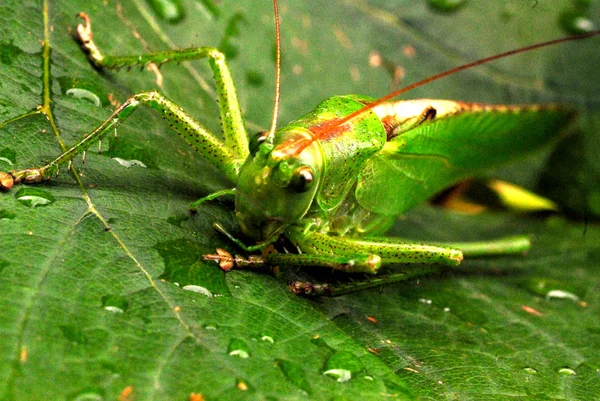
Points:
(103, 294)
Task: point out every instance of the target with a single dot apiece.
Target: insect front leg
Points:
(228, 157)
(234, 131)
(192, 131)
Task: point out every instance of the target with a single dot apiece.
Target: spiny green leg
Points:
(513, 245)
(194, 206)
(191, 130)
(389, 250)
(236, 137)
(393, 251)
(356, 255)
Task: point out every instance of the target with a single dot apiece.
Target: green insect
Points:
(333, 181)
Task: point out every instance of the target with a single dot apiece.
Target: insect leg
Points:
(515, 245)
(390, 250)
(512, 245)
(192, 131)
(236, 137)
(356, 264)
(214, 195)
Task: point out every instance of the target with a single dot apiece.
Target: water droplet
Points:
(177, 220)
(73, 333)
(8, 52)
(425, 301)
(198, 289)
(114, 303)
(34, 197)
(255, 78)
(169, 10)
(550, 288)
(268, 339)
(84, 94)
(567, 372)
(397, 387)
(341, 375)
(88, 396)
(446, 6)
(507, 14)
(530, 371)
(3, 265)
(129, 163)
(210, 7)
(232, 31)
(575, 21)
(6, 215)
(5, 160)
(559, 294)
(8, 156)
(341, 365)
(184, 265)
(318, 341)
(239, 348)
(295, 374)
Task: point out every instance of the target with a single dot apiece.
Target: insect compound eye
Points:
(257, 140)
(302, 179)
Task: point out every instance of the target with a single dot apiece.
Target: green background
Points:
(89, 305)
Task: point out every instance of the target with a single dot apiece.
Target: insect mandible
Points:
(323, 181)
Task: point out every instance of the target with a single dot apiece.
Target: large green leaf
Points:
(92, 298)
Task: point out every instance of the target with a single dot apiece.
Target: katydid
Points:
(333, 181)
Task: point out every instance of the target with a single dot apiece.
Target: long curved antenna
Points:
(319, 132)
(271, 135)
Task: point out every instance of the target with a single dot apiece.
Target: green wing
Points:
(418, 163)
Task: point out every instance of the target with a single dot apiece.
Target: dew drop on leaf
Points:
(342, 365)
(129, 163)
(88, 396)
(566, 372)
(85, 94)
(446, 6)
(576, 21)
(169, 10)
(198, 289)
(211, 7)
(560, 294)
(268, 339)
(34, 197)
(114, 303)
(8, 156)
(6, 215)
(341, 375)
(295, 374)
(239, 348)
(8, 52)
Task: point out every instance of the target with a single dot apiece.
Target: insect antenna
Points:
(271, 134)
(325, 129)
